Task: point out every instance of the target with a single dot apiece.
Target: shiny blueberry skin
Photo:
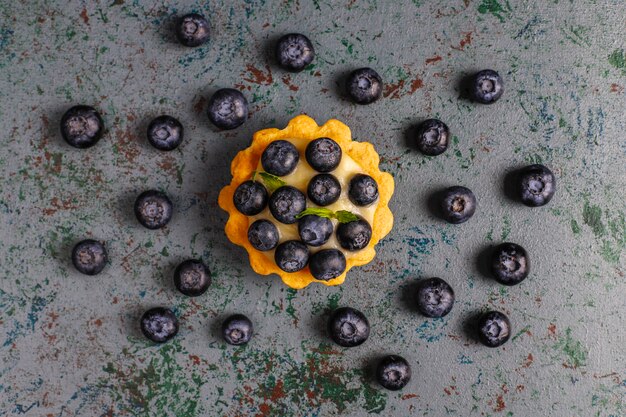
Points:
(192, 30)
(153, 209)
(510, 263)
(323, 154)
(315, 230)
(487, 86)
(228, 108)
(82, 127)
(263, 235)
(355, 235)
(237, 330)
(393, 372)
(159, 324)
(363, 190)
(286, 203)
(536, 185)
(324, 189)
(294, 52)
(250, 198)
(327, 264)
(458, 204)
(434, 297)
(494, 329)
(291, 256)
(192, 278)
(348, 327)
(364, 86)
(280, 158)
(165, 133)
(432, 137)
(89, 257)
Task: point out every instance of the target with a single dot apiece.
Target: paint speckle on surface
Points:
(500, 9)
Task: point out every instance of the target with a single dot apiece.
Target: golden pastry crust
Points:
(304, 127)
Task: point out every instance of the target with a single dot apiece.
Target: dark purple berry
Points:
(237, 330)
(487, 86)
(363, 190)
(354, 235)
(153, 209)
(89, 257)
(294, 52)
(280, 158)
(192, 278)
(432, 137)
(82, 127)
(458, 204)
(228, 108)
(510, 264)
(159, 324)
(494, 329)
(364, 86)
(263, 235)
(393, 372)
(286, 203)
(291, 256)
(537, 185)
(315, 230)
(348, 327)
(165, 133)
(250, 198)
(327, 264)
(324, 189)
(434, 297)
(192, 30)
(323, 154)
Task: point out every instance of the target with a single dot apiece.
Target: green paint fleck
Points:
(291, 294)
(506, 228)
(489, 235)
(592, 216)
(521, 332)
(575, 227)
(164, 252)
(494, 8)
(576, 355)
(618, 60)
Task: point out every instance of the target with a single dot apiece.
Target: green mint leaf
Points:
(253, 175)
(272, 182)
(316, 211)
(345, 216)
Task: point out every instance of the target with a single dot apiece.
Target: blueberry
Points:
(487, 86)
(82, 127)
(280, 158)
(286, 203)
(192, 278)
(263, 235)
(354, 235)
(458, 204)
(364, 86)
(237, 330)
(510, 264)
(363, 190)
(432, 137)
(294, 52)
(434, 297)
(192, 30)
(165, 133)
(324, 189)
(159, 324)
(323, 154)
(291, 256)
(228, 108)
(153, 209)
(494, 329)
(315, 230)
(250, 198)
(537, 185)
(393, 372)
(348, 327)
(327, 264)
(89, 257)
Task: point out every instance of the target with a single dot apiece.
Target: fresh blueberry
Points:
(237, 330)
(263, 235)
(294, 52)
(89, 257)
(324, 189)
(192, 30)
(280, 158)
(363, 190)
(153, 209)
(291, 256)
(354, 235)
(432, 137)
(434, 297)
(348, 327)
(393, 372)
(250, 198)
(487, 86)
(327, 264)
(537, 185)
(228, 108)
(82, 127)
(458, 204)
(494, 329)
(286, 203)
(315, 230)
(165, 133)
(192, 278)
(323, 154)
(364, 86)
(510, 264)
(159, 324)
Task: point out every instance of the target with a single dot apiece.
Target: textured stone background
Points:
(69, 344)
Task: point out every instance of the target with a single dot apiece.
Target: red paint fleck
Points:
(317, 74)
(408, 396)
(529, 361)
(127, 144)
(258, 76)
(434, 59)
(467, 40)
(552, 329)
(499, 403)
(264, 410)
(326, 351)
(287, 81)
(278, 392)
(520, 388)
(616, 88)
(84, 15)
(194, 359)
(97, 322)
(114, 300)
(324, 90)
(416, 84)
(199, 105)
(167, 164)
(393, 90)
(265, 25)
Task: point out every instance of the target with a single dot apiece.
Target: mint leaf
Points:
(272, 182)
(345, 216)
(317, 211)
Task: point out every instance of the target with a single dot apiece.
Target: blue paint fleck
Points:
(464, 359)
(6, 35)
(431, 330)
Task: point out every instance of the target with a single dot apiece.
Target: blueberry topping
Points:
(228, 108)
(263, 235)
(393, 372)
(348, 327)
(537, 185)
(250, 198)
(192, 278)
(323, 154)
(324, 189)
(434, 297)
(458, 204)
(192, 30)
(327, 264)
(159, 324)
(364, 86)
(165, 133)
(286, 203)
(354, 235)
(494, 329)
(82, 126)
(280, 158)
(487, 86)
(315, 230)
(432, 137)
(291, 256)
(363, 190)
(89, 257)
(294, 52)
(510, 264)
(237, 330)
(153, 209)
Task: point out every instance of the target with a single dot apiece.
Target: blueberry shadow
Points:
(339, 80)
(370, 365)
(483, 261)
(126, 208)
(132, 321)
(320, 326)
(509, 185)
(215, 328)
(269, 51)
(470, 326)
(464, 86)
(407, 296)
(410, 133)
(433, 203)
(167, 30)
